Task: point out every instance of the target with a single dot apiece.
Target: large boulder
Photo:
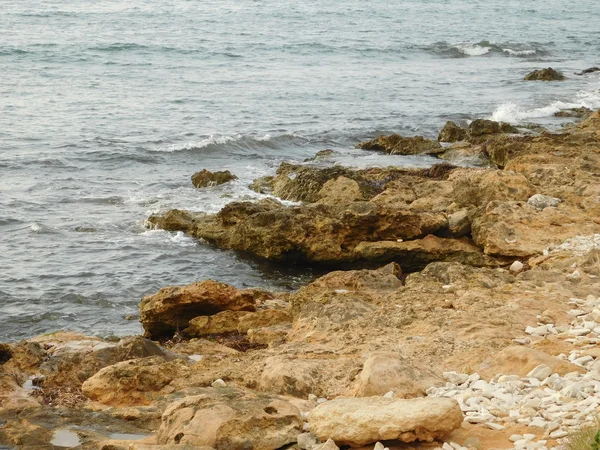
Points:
(206, 178)
(361, 421)
(230, 419)
(172, 308)
(548, 74)
(400, 145)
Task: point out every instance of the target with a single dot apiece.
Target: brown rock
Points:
(416, 254)
(264, 318)
(385, 372)
(548, 74)
(220, 323)
(360, 421)
(452, 133)
(171, 308)
(340, 191)
(294, 377)
(134, 382)
(399, 145)
(206, 178)
(230, 419)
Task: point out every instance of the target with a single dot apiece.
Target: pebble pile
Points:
(542, 399)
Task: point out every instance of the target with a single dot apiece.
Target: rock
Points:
(573, 112)
(264, 318)
(172, 308)
(399, 145)
(540, 372)
(590, 70)
(416, 254)
(329, 445)
(516, 267)
(268, 335)
(384, 372)
(218, 383)
(452, 133)
(481, 129)
(221, 323)
(306, 441)
(296, 377)
(360, 421)
(520, 361)
(134, 382)
(230, 419)
(206, 178)
(540, 201)
(548, 74)
(321, 155)
(459, 223)
(480, 187)
(340, 191)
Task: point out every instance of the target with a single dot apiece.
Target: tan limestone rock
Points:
(339, 191)
(360, 421)
(220, 323)
(400, 145)
(296, 377)
(206, 178)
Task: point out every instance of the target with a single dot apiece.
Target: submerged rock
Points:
(400, 145)
(172, 308)
(230, 419)
(361, 421)
(590, 70)
(548, 74)
(206, 178)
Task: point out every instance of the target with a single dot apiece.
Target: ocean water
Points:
(107, 108)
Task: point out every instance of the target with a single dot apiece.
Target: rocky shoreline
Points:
(461, 310)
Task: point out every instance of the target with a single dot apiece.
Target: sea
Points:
(108, 107)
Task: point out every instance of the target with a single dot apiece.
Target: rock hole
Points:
(270, 410)
(5, 353)
(179, 437)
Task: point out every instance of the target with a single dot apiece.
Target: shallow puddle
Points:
(65, 438)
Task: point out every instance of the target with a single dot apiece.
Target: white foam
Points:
(179, 237)
(473, 49)
(213, 139)
(512, 52)
(513, 113)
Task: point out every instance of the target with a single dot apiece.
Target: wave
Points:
(218, 142)
(481, 48)
(177, 238)
(512, 113)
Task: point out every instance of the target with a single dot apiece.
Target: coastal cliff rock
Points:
(230, 419)
(399, 145)
(360, 421)
(548, 74)
(172, 308)
(206, 178)
(451, 132)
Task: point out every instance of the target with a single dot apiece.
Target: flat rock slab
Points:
(360, 421)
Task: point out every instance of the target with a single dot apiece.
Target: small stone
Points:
(218, 383)
(558, 434)
(540, 201)
(312, 398)
(307, 441)
(494, 426)
(379, 446)
(541, 372)
(321, 400)
(456, 378)
(529, 436)
(515, 437)
(329, 445)
(389, 394)
(537, 422)
(516, 267)
(576, 275)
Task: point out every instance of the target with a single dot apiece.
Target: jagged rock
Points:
(171, 308)
(264, 318)
(452, 133)
(340, 191)
(134, 382)
(361, 421)
(480, 187)
(400, 145)
(548, 74)
(385, 372)
(543, 201)
(296, 377)
(416, 254)
(230, 419)
(206, 178)
(321, 155)
(573, 112)
(481, 130)
(590, 70)
(459, 223)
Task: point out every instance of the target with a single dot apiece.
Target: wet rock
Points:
(296, 377)
(134, 382)
(573, 112)
(175, 220)
(452, 133)
(385, 372)
(322, 155)
(416, 254)
(206, 178)
(548, 74)
(540, 201)
(230, 419)
(400, 145)
(172, 308)
(590, 70)
(360, 421)
(483, 127)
